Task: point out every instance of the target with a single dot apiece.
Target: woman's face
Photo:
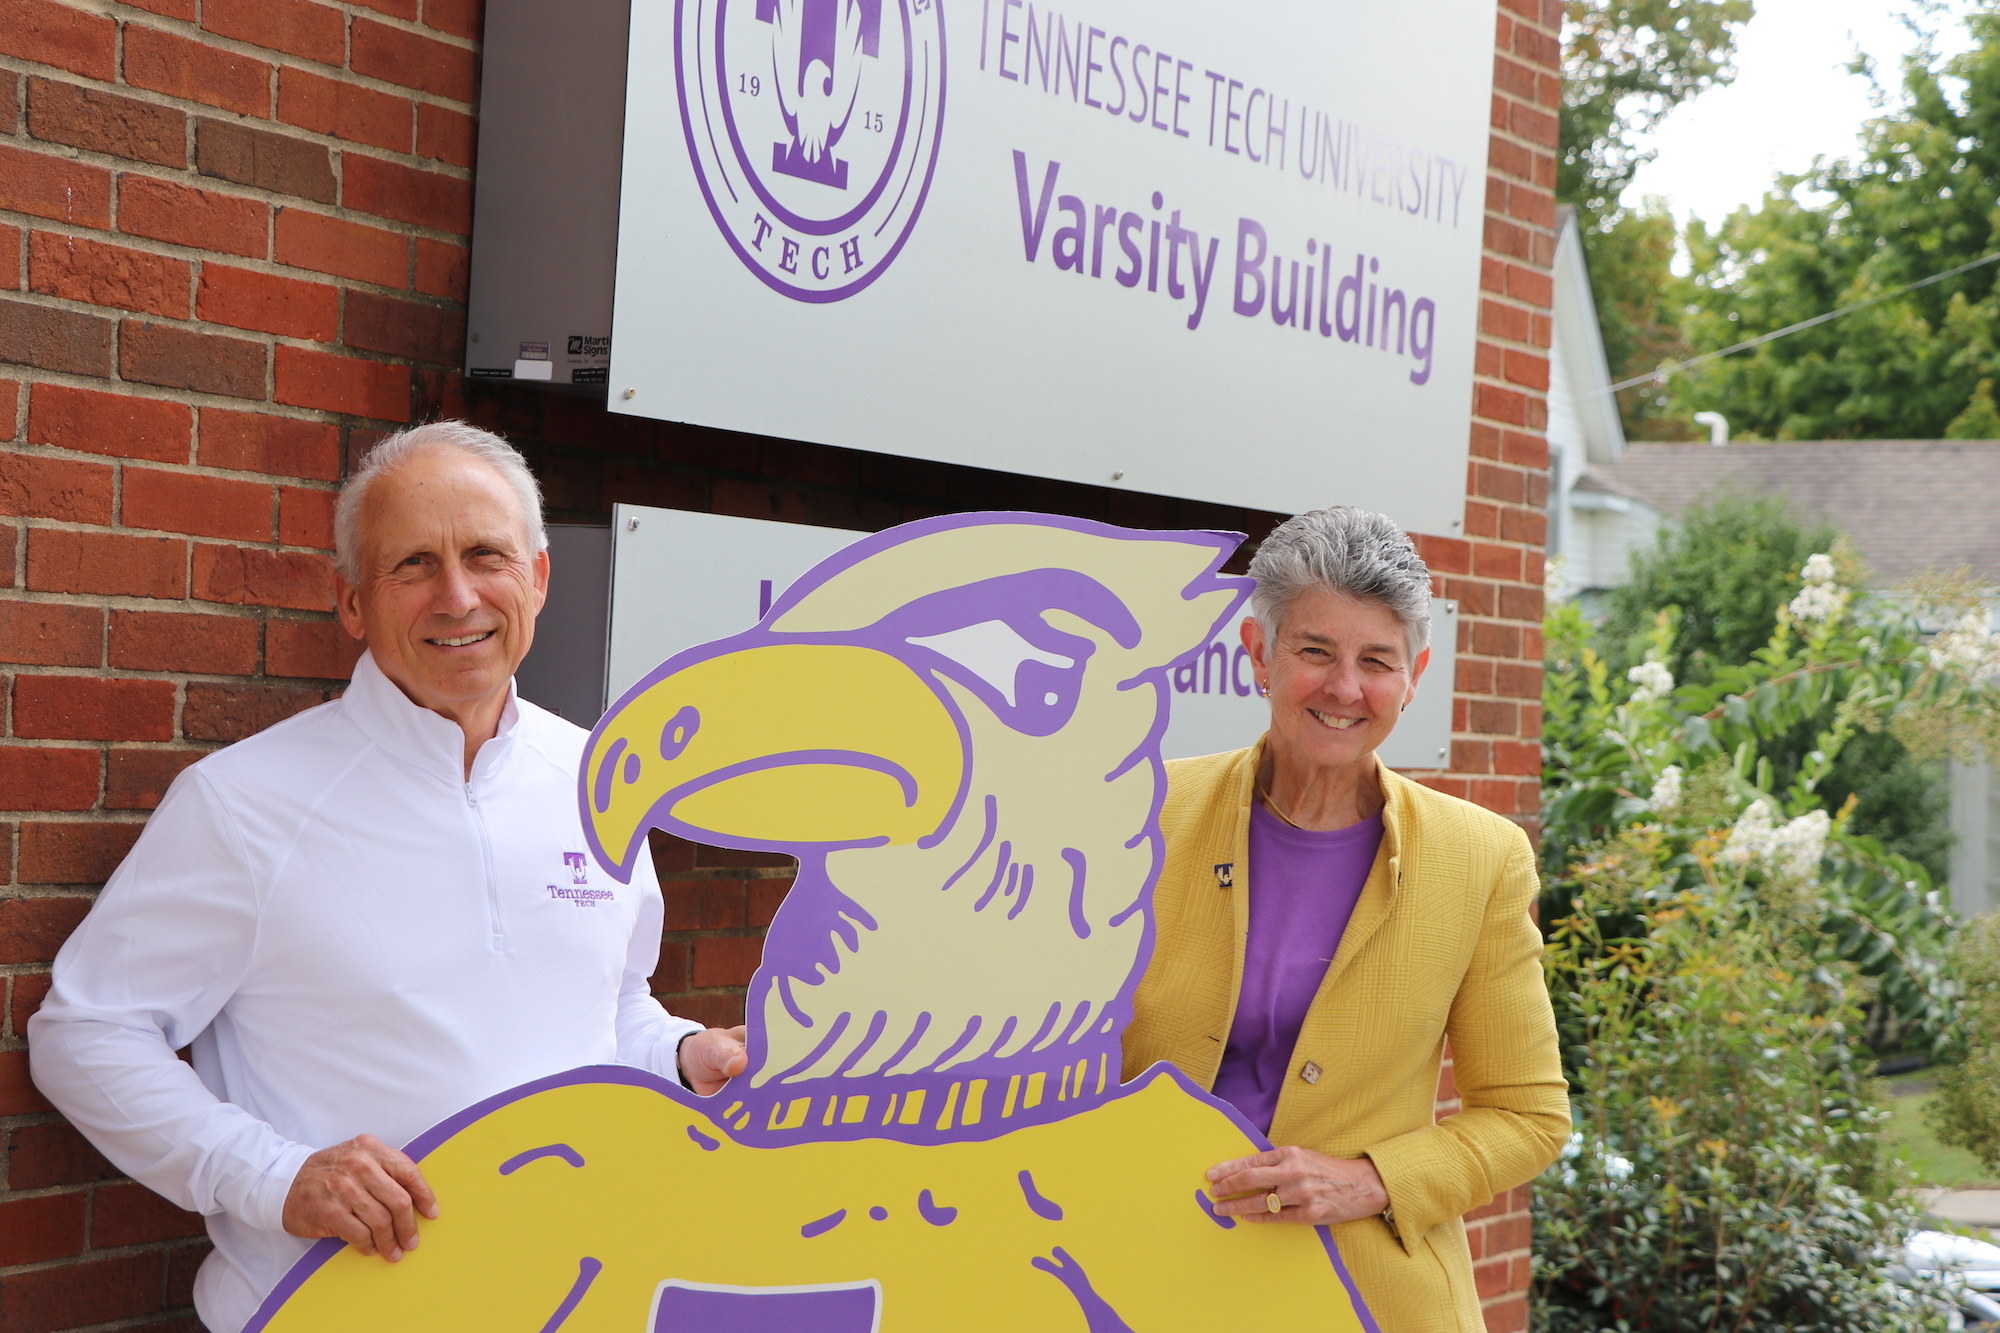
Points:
(1339, 673)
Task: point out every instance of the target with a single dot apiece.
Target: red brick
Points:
(37, 1229)
(200, 506)
(716, 1011)
(309, 650)
(138, 779)
(60, 35)
(10, 274)
(93, 1292)
(179, 641)
(460, 18)
(240, 577)
(409, 329)
(727, 960)
(670, 972)
(37, 486)
(43, 1155)
(122, 425)
(32, 929)
(343, 384)
(1481, 520)
(104, 122)
(442, 269)
(766, 895)
(1522, 758)
(412, 61)
(1496, 562)
(87, 708)
(305, 517)
(422, 198)
(165, 62)
(343, 110)
(205, 219)
(268, 303)
(1499, 483)
(231, 712)
(296, 27)
(17, 1092)
(106, 563)
(446, 135)
(50, 633)
(1492, 717)
(48, 186)
(36, 334)
(345, 249)
(65, 853)
(178, 358)
(35, 778)
(29, 990)
(133, 1214)
(402, 9)
(228, 150)
(84, 270)
(172, 9)
(704, 904)
(280, 446)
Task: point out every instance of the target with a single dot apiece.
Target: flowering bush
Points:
(1716, 935)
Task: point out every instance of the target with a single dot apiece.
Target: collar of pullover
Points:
(415, 734)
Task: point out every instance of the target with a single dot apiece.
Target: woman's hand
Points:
(1312, 1187)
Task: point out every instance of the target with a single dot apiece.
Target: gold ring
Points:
(1272, 1202)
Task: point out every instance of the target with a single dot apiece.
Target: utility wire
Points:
(1660, 375)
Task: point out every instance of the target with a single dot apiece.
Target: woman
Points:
(1324, 926)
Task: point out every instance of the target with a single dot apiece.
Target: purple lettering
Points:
(1180, 67)
(1075, 53)
(1127, 224)
(1031, 232)
(1159, 89)
(1349, 329)
(1214, 83)
(822, 256)
(763, 229)
(1394, 298)
(1423, 315)
(1283, 124)
(1255, 93)
(1028, 52)
(788, 256)
(850, 253)
(1100, 218)
(1120, 73)
(1230, 116)
(1204, 273)
(1174, 238)
(1090, 67)
(1068, 244)
(1138, 111)
(1007, 36)
(1248, 265)
(1289, 312)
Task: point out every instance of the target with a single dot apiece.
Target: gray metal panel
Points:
(545, 211)
(564, 671)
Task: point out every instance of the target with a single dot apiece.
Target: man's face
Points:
(448, 591)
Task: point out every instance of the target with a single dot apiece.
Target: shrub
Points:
(1966, 1110)
(1725, 1172)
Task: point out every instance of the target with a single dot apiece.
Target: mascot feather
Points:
(955, 727)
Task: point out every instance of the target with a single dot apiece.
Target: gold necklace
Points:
(1272, 806)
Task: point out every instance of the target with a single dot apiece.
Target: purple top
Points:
(1303, 888)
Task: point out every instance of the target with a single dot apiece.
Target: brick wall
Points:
(232, 256)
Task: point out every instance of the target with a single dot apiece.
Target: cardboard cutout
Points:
(954, 725)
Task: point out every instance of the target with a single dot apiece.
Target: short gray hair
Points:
(405, 445)
(1348, 551)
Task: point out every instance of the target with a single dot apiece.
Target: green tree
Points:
(1626, 65)
(1916, 199)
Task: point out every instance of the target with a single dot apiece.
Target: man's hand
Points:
(711, 1057)
(364, 1192)
(1313, 1188)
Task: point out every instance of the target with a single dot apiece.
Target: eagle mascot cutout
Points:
(955, 727)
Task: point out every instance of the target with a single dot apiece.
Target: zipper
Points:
(493, 921)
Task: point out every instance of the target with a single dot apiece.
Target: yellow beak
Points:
(771, 747)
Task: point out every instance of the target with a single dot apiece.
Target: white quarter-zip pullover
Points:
(356, 940)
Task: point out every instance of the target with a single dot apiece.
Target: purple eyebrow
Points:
(519, 1160)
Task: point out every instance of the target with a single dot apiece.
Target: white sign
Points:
(1222, 252)
(680, 579)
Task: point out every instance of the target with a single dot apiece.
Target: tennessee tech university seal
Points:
(813, 129)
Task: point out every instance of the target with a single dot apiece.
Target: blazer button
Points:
(1310, 1072)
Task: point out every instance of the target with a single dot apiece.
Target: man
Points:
(369, 916)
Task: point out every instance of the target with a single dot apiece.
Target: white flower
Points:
(1654, 682)
(1793, 848)
(1667, 789)
(1555, 577)
(1753, 837)
(1800, 844)
(1968, 649)
(1821, 598)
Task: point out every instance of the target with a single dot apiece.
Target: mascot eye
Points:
(993, 651)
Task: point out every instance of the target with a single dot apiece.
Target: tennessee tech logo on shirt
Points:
(813, 129)
(575, 863)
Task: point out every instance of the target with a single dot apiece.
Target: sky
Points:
(1791, 99)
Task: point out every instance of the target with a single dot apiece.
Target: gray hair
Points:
(405, 445)
(1348, 551)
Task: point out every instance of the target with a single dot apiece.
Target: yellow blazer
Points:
(1440, 946)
